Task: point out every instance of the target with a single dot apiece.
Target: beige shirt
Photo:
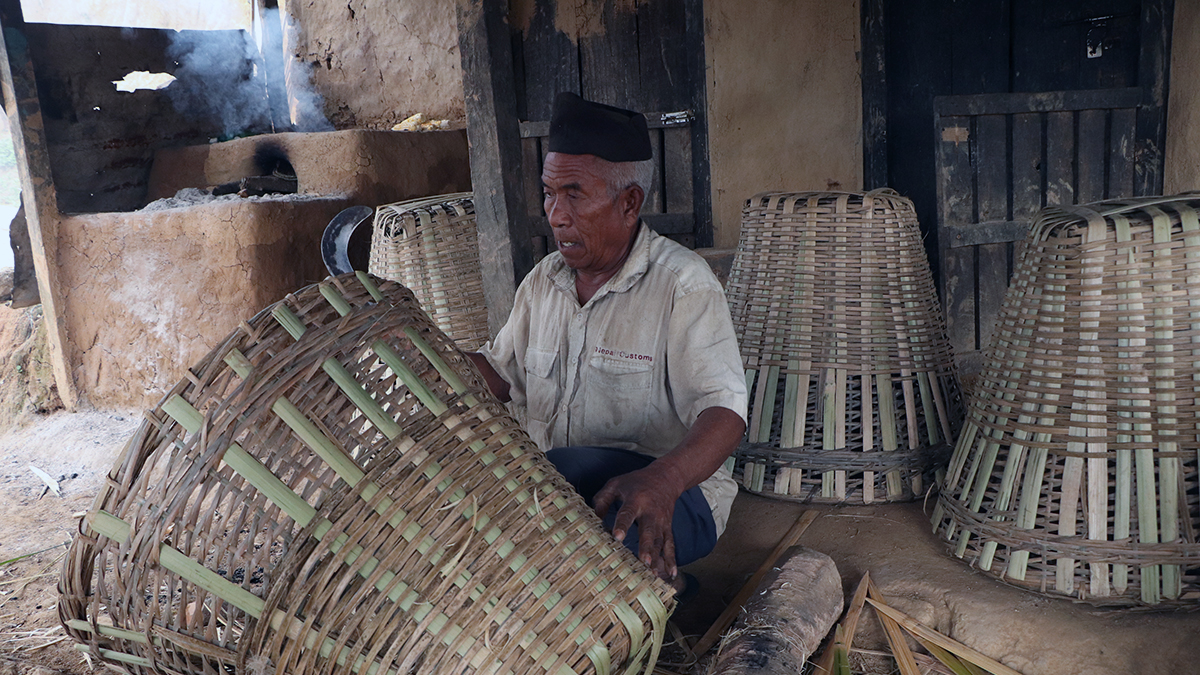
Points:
(633, 367)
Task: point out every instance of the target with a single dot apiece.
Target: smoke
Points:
(228, 77)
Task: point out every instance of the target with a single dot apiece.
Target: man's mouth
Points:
(568, 244)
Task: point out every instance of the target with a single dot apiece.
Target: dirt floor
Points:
(1031, 633)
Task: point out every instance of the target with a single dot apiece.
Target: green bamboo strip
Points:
(760, 395)
(760, 470)
(829, 421)
(110, 655)
(1092, 408)
(109, 631)
(1012, 467)
(1064, 580)
(334, 298)
(764, 422)
(1164, 390)
(791, 391)
(910, 408)
(840, 424)
(939, 403)
(887, 426)
(372, 289)
(868, 431)
(962, 449)
(1168, 471)
(801, 419)
(929, 407)
(1031, 490)
(783, 480)
(986, 461)
(1147, 519)
(1127, 349)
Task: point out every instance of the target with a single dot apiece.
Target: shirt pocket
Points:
(541, 384)
(618, 403)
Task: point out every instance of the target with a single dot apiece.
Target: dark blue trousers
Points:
(588, 468)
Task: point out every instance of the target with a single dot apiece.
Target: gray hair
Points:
(621, 175)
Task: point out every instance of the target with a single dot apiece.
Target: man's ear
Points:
(631, 202)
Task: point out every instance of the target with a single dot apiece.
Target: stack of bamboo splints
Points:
(332, 490)
(1076, 471)
(430, 245)
(853, 391)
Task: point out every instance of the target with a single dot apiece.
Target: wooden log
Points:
(795, 606)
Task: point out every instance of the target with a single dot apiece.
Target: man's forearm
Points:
(711, 440)
(494, 382)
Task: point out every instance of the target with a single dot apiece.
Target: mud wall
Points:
(1183, 103)
(147, 294)
(784, 101)
(376, 63)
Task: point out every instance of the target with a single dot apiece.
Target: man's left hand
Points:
(647, 499)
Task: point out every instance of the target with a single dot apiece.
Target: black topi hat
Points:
(579, 127)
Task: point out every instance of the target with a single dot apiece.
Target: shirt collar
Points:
(635, 268)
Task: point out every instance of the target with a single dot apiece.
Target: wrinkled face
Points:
(592, 230)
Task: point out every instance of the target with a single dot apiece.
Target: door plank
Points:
(677, 169)
(956, 206)
(1060, 153)
(993, 189)
(1093, 159)
(1122, 128)
(1027, 171)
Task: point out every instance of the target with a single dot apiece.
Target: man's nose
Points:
(556, 213)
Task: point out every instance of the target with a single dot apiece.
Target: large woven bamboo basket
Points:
(331, 490)
(1075, 473)
(430, 245)
(853, 390)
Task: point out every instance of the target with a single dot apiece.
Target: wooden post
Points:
(33, 166)
(874, 95)
(493, 132)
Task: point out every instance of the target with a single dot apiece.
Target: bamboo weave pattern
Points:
(430, 245)
(853, 390)
(332, 490)
(1076, 471)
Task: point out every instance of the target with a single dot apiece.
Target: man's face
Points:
(592, 230)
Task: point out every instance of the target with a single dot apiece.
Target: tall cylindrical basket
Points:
(853, 390)
(430, 245)
(332, 490)
(1076, 471)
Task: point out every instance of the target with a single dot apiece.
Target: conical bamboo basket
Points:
(1076, 471)
(331, 490)
(430, 245)
(853, 389)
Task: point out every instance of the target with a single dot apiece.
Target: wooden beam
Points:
(874, 95)
(698, 75)
(1154, 65)
(24, 112)
(493, 132)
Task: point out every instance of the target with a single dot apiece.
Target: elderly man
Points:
(621, 347)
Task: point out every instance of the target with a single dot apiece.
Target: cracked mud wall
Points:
(784, 102)
(376, 63)
(1183, 103)
(149, 294)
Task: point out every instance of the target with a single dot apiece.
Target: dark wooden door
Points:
(646, 56)
(1030, 103)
